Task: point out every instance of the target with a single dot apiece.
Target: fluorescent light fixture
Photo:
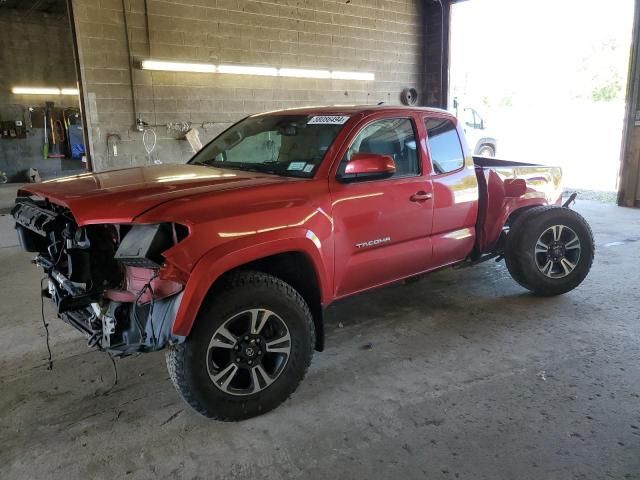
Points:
(244, 70)
(35, 91)
(70, 91)
(255, 70)
(178, 66)
(338, 75)
(304, 73)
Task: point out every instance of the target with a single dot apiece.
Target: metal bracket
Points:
(570, 200)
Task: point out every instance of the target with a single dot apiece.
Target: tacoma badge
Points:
(373, 243)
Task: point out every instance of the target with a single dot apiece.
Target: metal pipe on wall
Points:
(128, 43)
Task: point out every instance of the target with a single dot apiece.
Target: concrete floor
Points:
(468, 376)
(7, 196)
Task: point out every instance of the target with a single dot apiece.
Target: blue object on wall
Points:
(76, 139)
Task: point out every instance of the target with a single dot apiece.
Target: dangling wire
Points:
(149, 140)
(115, 375)
(115, 371)
(45, 324)
(146, 287)
(134, 310)
(153, 302)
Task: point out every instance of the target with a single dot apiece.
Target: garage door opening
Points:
(40, 113)
(546, 80)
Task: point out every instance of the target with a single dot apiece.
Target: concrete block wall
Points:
(380, 36)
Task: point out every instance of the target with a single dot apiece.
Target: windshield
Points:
(289, 145)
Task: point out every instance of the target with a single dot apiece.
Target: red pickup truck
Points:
(230, 259)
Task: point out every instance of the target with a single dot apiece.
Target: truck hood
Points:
(119, 196)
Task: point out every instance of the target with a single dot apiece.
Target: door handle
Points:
(421, 196)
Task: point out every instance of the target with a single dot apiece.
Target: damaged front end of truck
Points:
(106, 280)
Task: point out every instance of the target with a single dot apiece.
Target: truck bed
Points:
(494, 162)
(506, 186)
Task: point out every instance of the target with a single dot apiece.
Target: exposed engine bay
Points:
(104, 279)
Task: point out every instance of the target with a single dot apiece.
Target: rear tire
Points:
(248, 351)
(549, 250)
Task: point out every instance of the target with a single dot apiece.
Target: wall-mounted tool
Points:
(59, 138)
(45, 145)
(56, 138)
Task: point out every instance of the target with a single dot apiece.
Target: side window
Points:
(394, 137)
(444, 145)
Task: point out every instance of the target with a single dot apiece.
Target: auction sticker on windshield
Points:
(296, 165)
(328, 120)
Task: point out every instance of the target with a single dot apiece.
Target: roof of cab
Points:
(348, 110)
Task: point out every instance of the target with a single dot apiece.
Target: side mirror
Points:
(368, 166)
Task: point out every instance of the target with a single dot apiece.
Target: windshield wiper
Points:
(259, 168)
(267, 168)
(208, 163)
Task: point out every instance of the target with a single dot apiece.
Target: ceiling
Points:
(56, 7)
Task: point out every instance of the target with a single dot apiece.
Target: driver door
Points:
(382, 226)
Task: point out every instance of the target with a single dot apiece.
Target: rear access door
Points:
(455, 191)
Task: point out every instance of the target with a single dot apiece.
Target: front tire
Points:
(549, 250)
(248, 351)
